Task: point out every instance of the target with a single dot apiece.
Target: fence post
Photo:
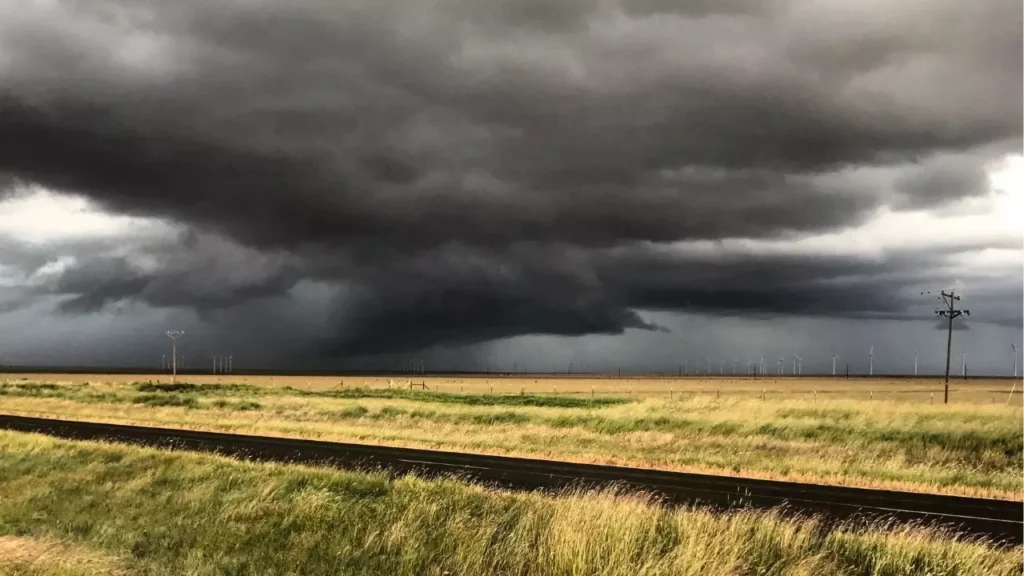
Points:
(931, 398)
(763, 392)
(592, 391)
(815, 399)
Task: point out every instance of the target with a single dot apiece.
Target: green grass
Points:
(167, 400)
(182, 513)
(960, 449)
(540, 400)
(214, 389)
(395, 393)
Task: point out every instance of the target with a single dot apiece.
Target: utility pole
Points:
(174, 335)
(949, 311)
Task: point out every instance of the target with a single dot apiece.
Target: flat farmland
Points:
(899, 389)
(801, 429)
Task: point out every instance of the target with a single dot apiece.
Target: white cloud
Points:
(37, 215)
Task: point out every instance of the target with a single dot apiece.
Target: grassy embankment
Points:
(81, 508)
(960, 449)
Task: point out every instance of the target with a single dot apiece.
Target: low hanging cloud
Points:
(468, 172)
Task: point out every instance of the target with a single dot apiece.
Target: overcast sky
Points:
(630, 183)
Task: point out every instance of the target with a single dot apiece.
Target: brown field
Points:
(900, 389)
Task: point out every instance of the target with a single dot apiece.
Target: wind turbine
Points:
(799, 364)
(915, 363)
(1014, 347)
(782, 369)
(709, 364)
(963, 363)
(735, 360)
(174, 335)
(834, 363)
(761, 366)
(794, 364)
(686, 367)
(871, 361)
(749, 363)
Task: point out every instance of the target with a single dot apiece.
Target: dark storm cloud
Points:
(187, 269)
(454, 297)
(941, 181)
(468, 170)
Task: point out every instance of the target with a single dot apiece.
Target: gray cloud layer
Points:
(471, 171)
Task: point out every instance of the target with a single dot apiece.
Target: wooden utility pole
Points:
(949, 311)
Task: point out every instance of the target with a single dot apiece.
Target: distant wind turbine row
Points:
(761, 367)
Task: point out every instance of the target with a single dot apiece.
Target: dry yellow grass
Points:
(24, 556)
(914, 390)
(171, 513)
(966, 449)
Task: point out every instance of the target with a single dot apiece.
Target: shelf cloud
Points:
(465, 172)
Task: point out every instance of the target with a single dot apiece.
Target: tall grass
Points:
(181, 513)
(962, 449)
(23, 556)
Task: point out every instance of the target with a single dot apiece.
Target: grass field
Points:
(84, 509)
(913, 390)
(963, 448)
